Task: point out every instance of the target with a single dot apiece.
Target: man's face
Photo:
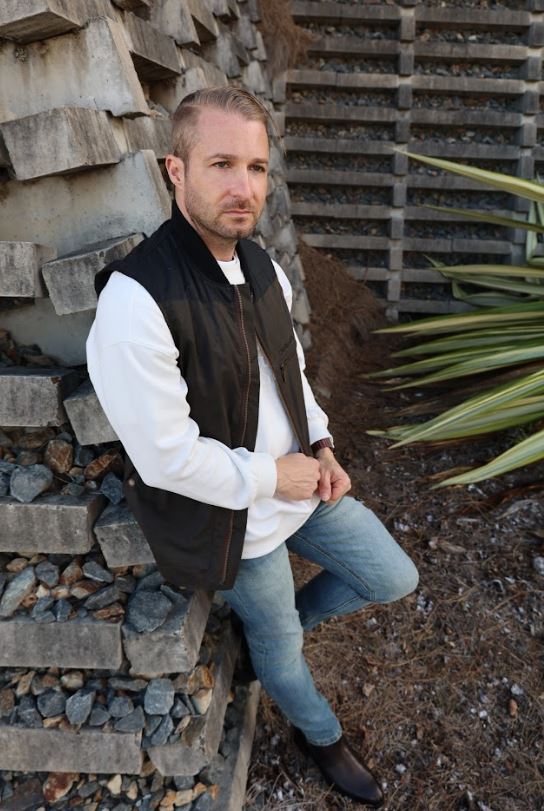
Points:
(225, 180)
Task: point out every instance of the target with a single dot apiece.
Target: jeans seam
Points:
(341, 564)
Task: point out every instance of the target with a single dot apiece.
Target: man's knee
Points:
(403, 580)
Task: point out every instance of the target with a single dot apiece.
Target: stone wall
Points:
(116, 690)
(459, 79)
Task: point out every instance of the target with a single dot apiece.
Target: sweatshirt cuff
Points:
(266, 474)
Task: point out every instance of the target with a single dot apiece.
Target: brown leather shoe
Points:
(341, 766)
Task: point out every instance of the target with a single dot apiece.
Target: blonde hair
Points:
(229, 99)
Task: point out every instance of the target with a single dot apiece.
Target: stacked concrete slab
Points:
(87, 626)
(455, 80)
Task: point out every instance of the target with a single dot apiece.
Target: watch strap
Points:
(322, 443)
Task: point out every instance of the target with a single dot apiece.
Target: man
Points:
(229, 463)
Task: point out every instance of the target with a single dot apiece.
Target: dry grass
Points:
(286, 43)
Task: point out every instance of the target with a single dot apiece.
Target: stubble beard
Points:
(210, 221)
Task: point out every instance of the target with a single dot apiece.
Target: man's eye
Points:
(259, 168)
(221, 163)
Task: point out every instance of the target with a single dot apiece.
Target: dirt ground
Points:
(442, 692)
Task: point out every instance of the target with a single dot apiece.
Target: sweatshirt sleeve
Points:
(144, 396)
(318, 421)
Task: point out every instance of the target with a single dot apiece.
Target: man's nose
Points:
(242, 184)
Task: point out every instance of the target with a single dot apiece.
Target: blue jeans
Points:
(362, 564)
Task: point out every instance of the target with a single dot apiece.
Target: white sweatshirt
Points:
(131, 359)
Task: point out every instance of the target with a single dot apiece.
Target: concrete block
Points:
(246, 32)
(32, 397)
(61, 338)
(28, 20)
(75, 643)
(174, 19)
(174, 646)
(255, 79)
(233, 781)
(149, 132)
(198, 75)
(54, 523)
(57, 141)
(154, 54)
(203, 19)
(91, 68)
(56, 750)
(20, 264)
(85, 208)
(70, 279)
(87, 417)
(223, 54)
(121, 540)
(200, 741)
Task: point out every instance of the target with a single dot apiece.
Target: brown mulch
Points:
(442, 692)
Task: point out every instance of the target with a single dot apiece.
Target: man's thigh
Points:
(263, 594)
(348, 539)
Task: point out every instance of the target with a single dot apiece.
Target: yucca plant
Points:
(504, 333)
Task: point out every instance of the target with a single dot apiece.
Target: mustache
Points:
(239, 205)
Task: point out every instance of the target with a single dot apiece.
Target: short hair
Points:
(229, 99)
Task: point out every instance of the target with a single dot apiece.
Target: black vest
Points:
(215, 326)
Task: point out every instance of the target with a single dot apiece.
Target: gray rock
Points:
(27, 712)
(175, 596)
(82, 456)
(79, 706)
(163, 732)
(28, 481)
(132, 685)
(94, 571)
(62, 610)
(147, 610)
(52, 702)
(538, 564)
(99, 715)
(125, 583)
(47, 573)
(151, 723)
(16, 591)
(203, 803)
(159, 697)
(87, 789)
(41, 612)
(102, 598)
(4, 484)
(180, 709)
(214, 771)
(112, 488)
(132, 722)
(183, 782)
(120, 706)
(150, 581)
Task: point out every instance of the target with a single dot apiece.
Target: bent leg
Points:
(362, 563)
(263, 596)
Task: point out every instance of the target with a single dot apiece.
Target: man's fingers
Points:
(325, 486)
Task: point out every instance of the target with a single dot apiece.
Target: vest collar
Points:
(191, 242)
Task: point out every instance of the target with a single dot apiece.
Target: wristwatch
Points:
(322, 443)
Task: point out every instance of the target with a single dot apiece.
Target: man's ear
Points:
(175, 168)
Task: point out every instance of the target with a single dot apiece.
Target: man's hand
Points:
(298, 476)
(334, 482)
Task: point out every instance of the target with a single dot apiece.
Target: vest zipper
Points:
(245, 406)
